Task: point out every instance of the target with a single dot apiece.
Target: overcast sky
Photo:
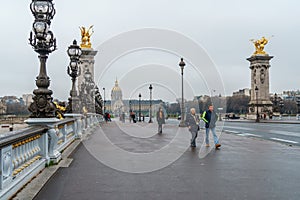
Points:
(221, 28)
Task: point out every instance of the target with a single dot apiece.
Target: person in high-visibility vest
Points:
(210, 118)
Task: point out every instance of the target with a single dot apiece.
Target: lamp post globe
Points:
(182, 122)
(43, 10)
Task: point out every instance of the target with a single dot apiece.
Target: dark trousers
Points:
(159, 128)
(194, 136)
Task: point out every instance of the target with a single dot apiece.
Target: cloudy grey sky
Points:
(221, 28)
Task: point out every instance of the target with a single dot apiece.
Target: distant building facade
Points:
(3, 107)
(242, 92)
(117, 105)
(292, 96)
(27, 98)
(133, 105)
(12, 105)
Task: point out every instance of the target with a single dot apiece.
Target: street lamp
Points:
(140, 107)
(281, 104)
(220, 115)
(74, 52)
(182, 123)
(43, 42)
(275, 102)
(150, 113)
(130, 110)
(104, 101)
(257, 114)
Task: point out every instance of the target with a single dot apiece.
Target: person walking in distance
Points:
(160, 118)
(210, 118)
(192, 122)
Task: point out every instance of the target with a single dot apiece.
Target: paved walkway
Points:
(244, 168)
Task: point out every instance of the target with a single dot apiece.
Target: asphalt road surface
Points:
(279, 132)
(244, 168)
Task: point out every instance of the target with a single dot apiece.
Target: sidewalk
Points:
(244, 168)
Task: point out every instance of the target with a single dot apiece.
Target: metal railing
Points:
(25, 153)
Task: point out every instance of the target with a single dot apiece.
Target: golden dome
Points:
(116, 92)
(116, 88)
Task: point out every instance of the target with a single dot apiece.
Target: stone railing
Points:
(26, 152)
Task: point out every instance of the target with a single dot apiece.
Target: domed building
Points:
(117, 105)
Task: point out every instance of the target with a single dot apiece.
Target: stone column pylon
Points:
(260, 78)
(86, 62)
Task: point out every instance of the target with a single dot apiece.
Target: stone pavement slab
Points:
(244, 168)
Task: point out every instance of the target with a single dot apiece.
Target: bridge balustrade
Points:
(24, 153)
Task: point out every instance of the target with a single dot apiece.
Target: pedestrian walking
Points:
(132, 115)
(143, 118)
(192, 122)
(210, 118)
(106, 117)
(160, 118)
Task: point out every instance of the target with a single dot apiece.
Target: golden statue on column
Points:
(260, 45)
(86, 36)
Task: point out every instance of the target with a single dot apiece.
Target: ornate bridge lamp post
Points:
(140, 96)
(130, 108)
(150, 113)
(182, 123)
(74, 53)
(275, 109)
(104, 101)
(43, 42)
(281, 105)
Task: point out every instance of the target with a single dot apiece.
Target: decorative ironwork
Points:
(43, 42)
(60, 109)
(74, 71)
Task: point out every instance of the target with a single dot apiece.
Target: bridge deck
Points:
(244, 168)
